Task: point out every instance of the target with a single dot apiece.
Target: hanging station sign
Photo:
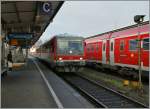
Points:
(20, 36)
(20, 39)
(45, 8)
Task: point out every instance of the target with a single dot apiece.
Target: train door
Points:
(111, 51)
(104, 51)
(145, 52)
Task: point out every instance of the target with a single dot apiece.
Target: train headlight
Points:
(81, 58)
(70, 51)
(60, 59)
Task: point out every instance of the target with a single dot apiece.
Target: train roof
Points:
(65, 36)
(62, 36)
(69, 37)
(120, 29)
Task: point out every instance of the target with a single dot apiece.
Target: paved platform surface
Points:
(25, 88)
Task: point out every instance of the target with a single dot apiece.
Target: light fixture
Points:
(139, 18)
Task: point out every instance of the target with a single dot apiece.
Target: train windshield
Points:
(70, 47)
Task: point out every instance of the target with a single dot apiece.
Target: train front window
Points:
(70, 46)
(146, 44)
(75, 46)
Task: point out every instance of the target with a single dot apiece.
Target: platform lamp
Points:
(139, 19)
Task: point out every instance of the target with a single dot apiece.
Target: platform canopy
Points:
(28, 16)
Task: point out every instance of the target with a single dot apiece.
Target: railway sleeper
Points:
(108, 98)
(119, 104)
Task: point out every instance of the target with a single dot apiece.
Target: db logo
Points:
(46, 7)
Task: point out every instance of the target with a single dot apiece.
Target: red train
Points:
(118, 49)
(63, 53)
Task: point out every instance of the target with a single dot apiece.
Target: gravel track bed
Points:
(116, 84)
(107, 97)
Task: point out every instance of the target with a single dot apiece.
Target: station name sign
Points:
(27, 36)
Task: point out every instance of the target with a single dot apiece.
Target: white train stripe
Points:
(59, 104)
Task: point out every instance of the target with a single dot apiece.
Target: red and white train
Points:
(118, 49)
(63, 53)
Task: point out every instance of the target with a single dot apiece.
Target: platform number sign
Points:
(46, 8)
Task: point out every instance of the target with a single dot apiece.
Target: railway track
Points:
(100, 95)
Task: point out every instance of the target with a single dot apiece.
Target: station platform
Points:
(36, 86)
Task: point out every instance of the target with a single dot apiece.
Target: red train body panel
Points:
(119, 47)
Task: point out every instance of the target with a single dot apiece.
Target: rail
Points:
(100, 95)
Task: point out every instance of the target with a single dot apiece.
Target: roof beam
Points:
(20, 24)
(17, 12)
(3, 21)
(35, 12)
(7, 2)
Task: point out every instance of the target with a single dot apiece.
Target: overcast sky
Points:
(87, 18)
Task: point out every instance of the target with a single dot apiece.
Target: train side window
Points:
(96, 47)
(133, 44)
(104, 47)
(111, 46)
(122, 45)
(92, 48)
(88, 48)
(146, 44)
